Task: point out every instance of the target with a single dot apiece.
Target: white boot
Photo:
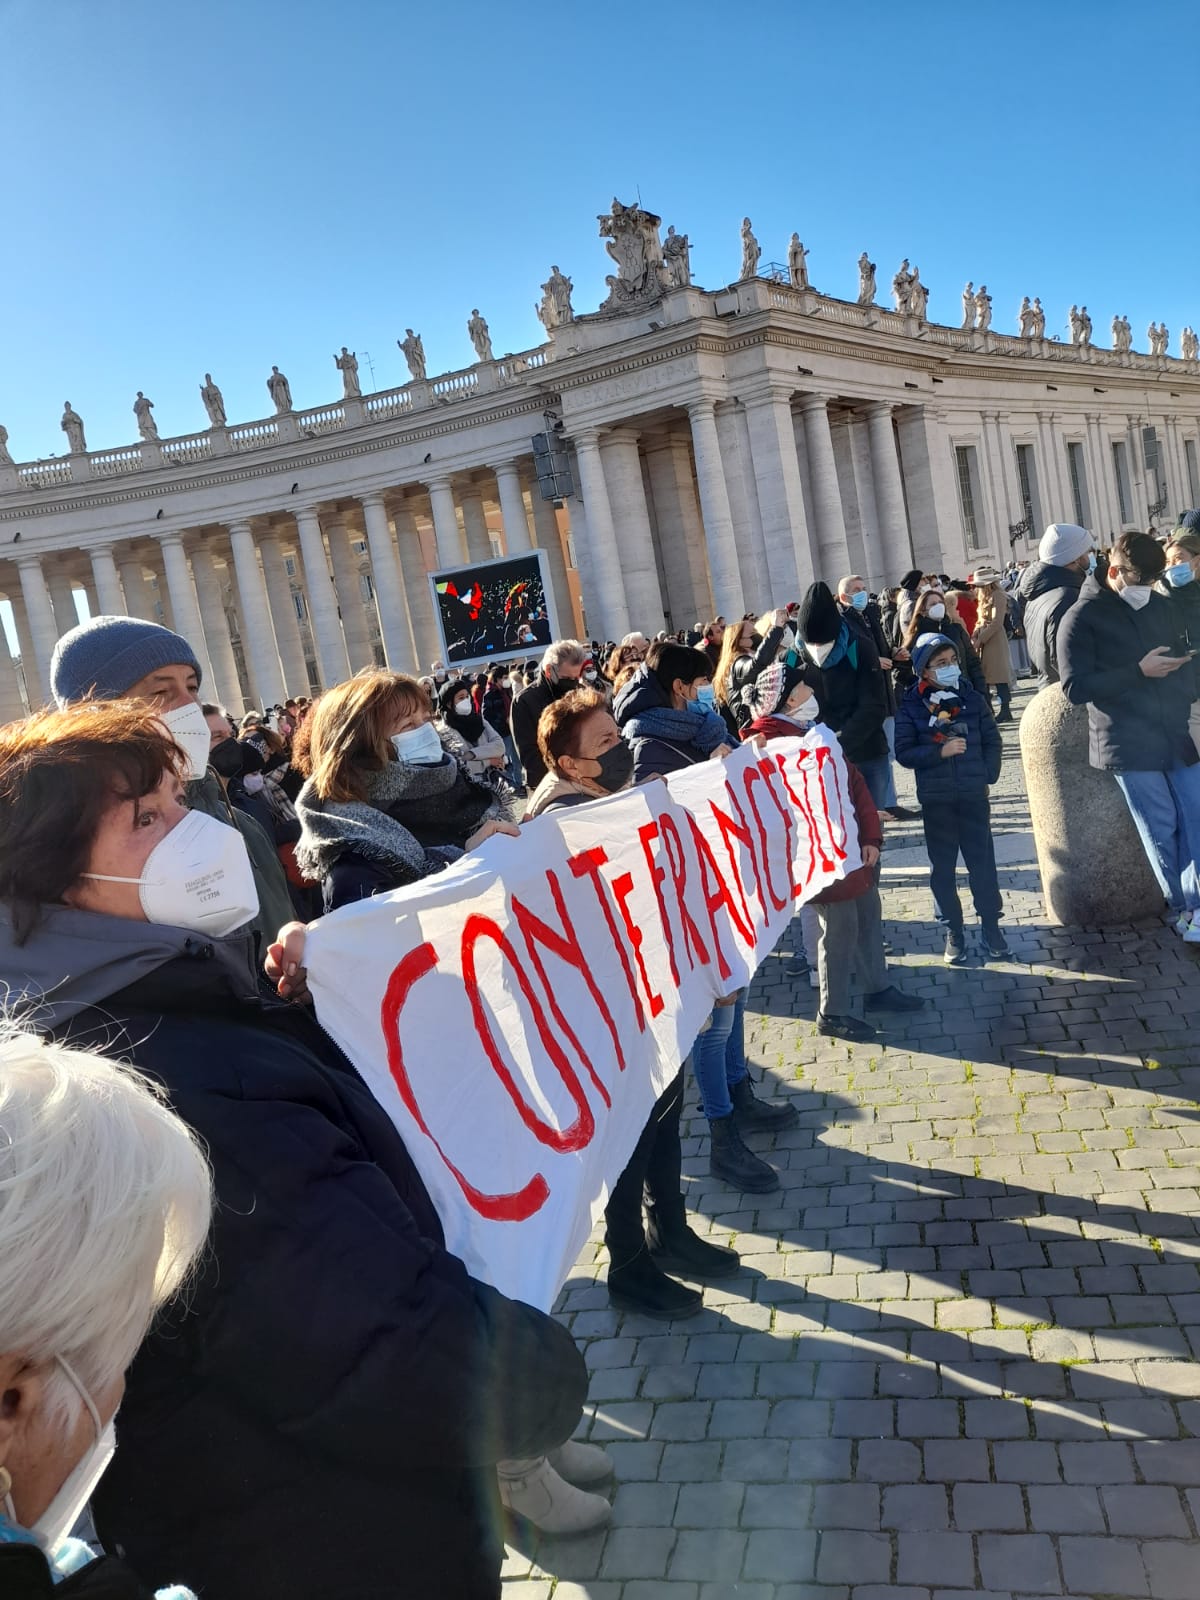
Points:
(533, 1490)
(584, 1465)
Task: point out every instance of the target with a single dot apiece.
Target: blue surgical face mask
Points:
(706, 699)
(1091, 562)
(861, 600)
(1180, 574)
(419, 747)
(947, 677)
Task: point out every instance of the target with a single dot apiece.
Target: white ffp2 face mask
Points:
(187, 727)
(806, 713)
(198, 877)
(820, 652)
(1136, 595)
(419, 747)
(77, 1488)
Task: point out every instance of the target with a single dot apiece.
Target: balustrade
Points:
(44, 474)
(386, 404)
(322, 419)
(115, 463)
(455, 385)
(253, 435)
(195, 447)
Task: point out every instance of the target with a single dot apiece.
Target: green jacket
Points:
(274, 902)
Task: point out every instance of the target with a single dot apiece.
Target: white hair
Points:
(105, 1199)
(844, 583)
(632, 638)
(563, 653)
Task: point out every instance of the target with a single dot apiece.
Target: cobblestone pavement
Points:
(960, 1355)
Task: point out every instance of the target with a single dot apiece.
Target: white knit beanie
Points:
(1064, 542)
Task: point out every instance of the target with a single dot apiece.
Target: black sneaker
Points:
(797, 968)
(756, 1116)
(852, 1028)
(892, 999)
(641, 1286)
(906, 813)
(995, 945)
(956, 948)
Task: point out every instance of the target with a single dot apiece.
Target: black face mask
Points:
(226, 758)
(616, 768)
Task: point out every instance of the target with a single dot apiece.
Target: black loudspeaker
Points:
(552, 467)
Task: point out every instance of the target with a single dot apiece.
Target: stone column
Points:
(780, 495)
(108, 585)
(42, 629)
(932, 493)
(897, 550)
(258, 636)
(725, 575)
(608, 610)
(1138, 514)
(631, 522)
(356, 613)
(549, 542)
(210, 596)
(322, 600)
(88, 585)
(12, 706)
(283, 613)
(445, 523)
(734, 434)
(479, 542)
(664, 457)
(512, 507)
(35, 694)
(184, 608)
(427, 640)
(389, 587)
(826, 490)
(137, 592)
(62, 599)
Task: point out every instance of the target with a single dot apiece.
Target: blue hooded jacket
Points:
(948, 778)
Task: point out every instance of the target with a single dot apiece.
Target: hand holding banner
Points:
(519, 1014)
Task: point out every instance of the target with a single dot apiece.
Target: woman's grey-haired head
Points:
(105, 1199)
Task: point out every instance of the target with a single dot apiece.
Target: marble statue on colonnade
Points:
(750, 251)
(968, 305)
(797, 263)
(142, 408)
(6, 459)
(901, 287)
(918, 296)
(983, 309)
(632, 241)
(477, 329)
(1025, 319)
(677, 255)
(214, 401)
(1085, 328)
(347, 365)
(866, 281)
(1189, 345)
(1159, 338)
(414, 354)
(280, 391)
(556, 309)
(72, 426)
(1073, 323)
(1039, 318)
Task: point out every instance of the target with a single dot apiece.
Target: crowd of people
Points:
(172, 1115)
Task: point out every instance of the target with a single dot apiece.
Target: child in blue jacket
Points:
(946, 733)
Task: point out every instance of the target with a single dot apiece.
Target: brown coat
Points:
(990, 638)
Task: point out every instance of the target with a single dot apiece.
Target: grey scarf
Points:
(334, 828)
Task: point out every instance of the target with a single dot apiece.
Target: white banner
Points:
(518, 1015)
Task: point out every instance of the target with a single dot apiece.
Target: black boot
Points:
(753, 1115)
(675, 1248)
(729, 1159)
(639, 1285)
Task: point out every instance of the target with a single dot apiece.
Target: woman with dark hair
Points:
(930, 614)
(467, 732)
(747, 648)
(333, 1366)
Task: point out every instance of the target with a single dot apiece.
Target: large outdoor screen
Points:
(493, 609)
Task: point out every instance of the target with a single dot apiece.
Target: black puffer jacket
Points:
(320, 1415)
(745, 669)
(1185, 602)
(1135, 723)
(526, 712)
(1047, 594)
(855, 701)
(25, 1575)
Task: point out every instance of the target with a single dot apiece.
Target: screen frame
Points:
(518, 653)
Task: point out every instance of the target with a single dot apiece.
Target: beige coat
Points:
(990, 638)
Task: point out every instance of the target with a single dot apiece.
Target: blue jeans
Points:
(877, 775)
(515, 776)
(1165, 807)
(889, 798)
(719, 1057)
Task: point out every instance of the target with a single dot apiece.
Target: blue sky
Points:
(223, 186)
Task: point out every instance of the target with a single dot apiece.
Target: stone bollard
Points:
(1093, 868)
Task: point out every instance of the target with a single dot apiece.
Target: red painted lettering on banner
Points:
(515, 1207)
(819, 855)
(716, 893)
(587, 864)
(647, 834)
(622, 888)
(824, 755)
(579, 1134)
(752, 776)
(770, 774)
(740, 830)
(692, 943)
(564, 943)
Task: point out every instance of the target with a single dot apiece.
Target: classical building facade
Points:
(725, 447)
